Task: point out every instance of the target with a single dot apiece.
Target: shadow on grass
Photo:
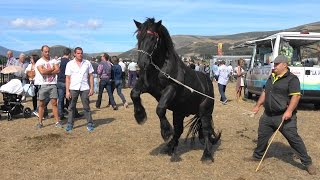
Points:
(98, 122)
(284, 153)
(184, 147)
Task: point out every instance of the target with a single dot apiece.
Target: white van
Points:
(303, 51)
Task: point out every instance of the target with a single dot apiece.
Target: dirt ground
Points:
(119, 148)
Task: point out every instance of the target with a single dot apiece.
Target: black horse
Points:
(169, 80)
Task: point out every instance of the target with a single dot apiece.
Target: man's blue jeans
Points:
(61, 95)
(222, 90)
(105, 84)
(119, 86)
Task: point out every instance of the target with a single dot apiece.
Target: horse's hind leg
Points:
(166, 98)
(171, 147)
(206, 109)
(139, 111)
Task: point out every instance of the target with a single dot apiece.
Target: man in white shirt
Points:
(132, 74)
(78, 72)
(46, 71)
(223, 73)
(123, 68)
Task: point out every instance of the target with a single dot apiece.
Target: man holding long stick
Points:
(280, 100)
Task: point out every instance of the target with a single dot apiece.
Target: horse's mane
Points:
(162, 31)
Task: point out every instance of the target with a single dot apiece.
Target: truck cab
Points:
(303, 51)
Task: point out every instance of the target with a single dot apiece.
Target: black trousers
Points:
(269, 124)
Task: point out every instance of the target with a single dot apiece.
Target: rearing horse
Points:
(160, 70)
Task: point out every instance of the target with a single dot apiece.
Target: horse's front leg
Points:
(172, 146)
(167, 96)
(139, 111)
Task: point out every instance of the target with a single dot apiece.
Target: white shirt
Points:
(79, 75)
(132, 66)
(40, 79)
(123, 66)
(223, 73)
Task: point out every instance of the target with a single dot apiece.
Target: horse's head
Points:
(148, 41)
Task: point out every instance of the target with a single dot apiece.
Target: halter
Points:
(155, 46)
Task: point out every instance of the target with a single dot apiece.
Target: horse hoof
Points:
(207, 159)
(166, 135)
(140, 117)
(166, 132)
(175, 158)
(208, 162)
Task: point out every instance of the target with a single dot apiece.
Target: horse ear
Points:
(158, 24)
(138, 24)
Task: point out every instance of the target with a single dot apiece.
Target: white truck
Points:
(303, 51)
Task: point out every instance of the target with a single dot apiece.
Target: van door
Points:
(300, 73)
(261, 67)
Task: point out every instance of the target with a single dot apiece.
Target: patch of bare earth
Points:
(119, 148)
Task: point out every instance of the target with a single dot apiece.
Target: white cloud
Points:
(90, 24)
(33, 23)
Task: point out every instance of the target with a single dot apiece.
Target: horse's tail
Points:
(195, 128)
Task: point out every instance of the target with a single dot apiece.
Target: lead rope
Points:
(251, 114)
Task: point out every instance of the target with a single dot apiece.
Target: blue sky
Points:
(107, 26)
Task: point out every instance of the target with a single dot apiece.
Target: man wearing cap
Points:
(280, 99)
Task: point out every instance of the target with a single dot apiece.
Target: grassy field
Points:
(119, 148)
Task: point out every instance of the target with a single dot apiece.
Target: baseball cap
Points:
(281, 59)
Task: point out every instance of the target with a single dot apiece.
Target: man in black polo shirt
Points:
(61, 82)
(280, 99)
(61, 85)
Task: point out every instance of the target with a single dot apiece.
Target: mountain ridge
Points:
(192, 45)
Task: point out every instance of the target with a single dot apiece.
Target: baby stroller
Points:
(12, 99)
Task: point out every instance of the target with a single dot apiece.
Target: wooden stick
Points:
(273, 136)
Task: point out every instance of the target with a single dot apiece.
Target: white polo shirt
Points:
(132, 66)
(79, 75)
(40, 79)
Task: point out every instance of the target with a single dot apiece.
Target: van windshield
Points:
(263, 55)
